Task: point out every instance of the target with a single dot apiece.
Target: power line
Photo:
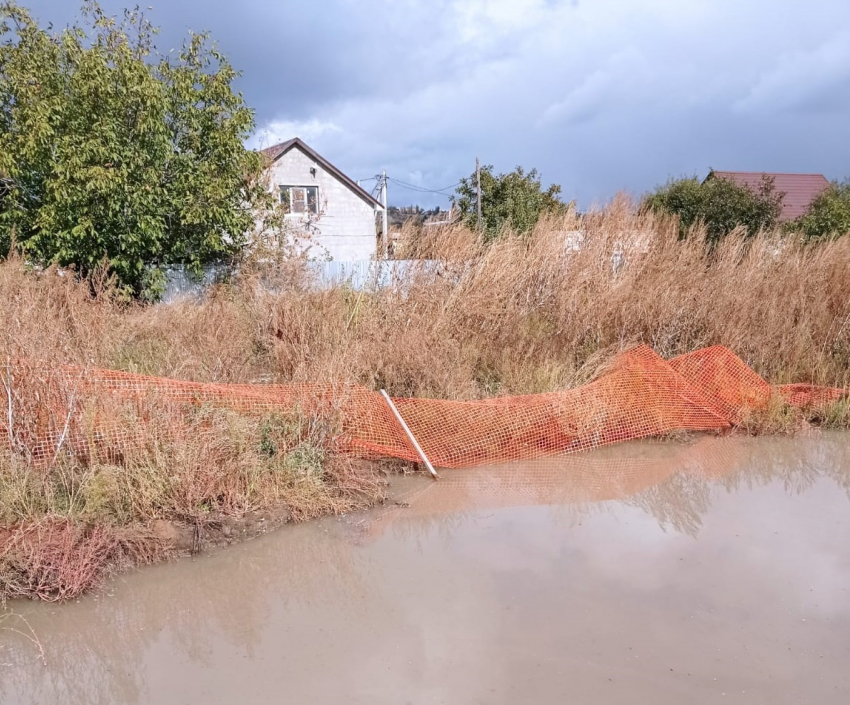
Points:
(422, 189)
(413, 187)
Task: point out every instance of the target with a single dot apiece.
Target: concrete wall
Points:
(346, 225)
(359, 275)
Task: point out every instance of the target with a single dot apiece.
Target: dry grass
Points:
(776, 418)
(82, 516)
(529, 315)
(523, 315)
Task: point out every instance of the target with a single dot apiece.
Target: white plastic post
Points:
(409, 434)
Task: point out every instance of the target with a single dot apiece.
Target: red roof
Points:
(799, 189)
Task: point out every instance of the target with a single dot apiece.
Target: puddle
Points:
(642, 573)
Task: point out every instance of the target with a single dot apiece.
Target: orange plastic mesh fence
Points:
(90, 411)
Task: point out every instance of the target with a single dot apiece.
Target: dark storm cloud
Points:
(298, 56)
(293, 56)
(601, 96)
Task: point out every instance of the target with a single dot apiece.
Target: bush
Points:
(719, 204)
(111, 152)
(828, 215)
(515, 200)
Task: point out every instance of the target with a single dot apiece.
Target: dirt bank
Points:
(183, 538)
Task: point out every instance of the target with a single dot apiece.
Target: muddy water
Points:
(705, 573)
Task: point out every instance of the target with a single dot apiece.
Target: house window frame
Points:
(307, 213)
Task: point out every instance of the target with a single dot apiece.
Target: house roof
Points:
(276, 151)
(799, 189)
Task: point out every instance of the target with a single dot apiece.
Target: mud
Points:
(184, 538)
(717, 571)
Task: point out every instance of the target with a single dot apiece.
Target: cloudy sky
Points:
(599, 95)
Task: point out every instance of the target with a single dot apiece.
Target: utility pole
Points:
(385, 244)
(478, 184)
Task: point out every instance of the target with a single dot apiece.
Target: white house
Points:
(320, 199)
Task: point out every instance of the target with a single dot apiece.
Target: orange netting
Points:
(640, 395)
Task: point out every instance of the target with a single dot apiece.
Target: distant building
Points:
(440, 218)
(321, 200)
(799, 189)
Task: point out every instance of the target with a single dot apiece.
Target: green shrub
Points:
(515, 200)
(111, 152)
(828, 215)
(719, 204)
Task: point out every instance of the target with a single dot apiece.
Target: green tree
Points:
(828, 215)
(720, 204)
(515, 200)
(111, 152)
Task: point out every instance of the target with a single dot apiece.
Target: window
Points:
(300, 199)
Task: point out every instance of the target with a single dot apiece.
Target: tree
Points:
(111, 152)
(720, 204)
(515, 200)
(828, 215)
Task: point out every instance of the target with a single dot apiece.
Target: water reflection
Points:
(672, 482)
(96, 650)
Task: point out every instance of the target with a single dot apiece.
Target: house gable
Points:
(277, 151)
(344, 226)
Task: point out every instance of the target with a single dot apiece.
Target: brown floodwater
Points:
(710, 572)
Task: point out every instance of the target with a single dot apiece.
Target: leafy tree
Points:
(111, 152)
(720, 204)
(514, 200)
(828, 215)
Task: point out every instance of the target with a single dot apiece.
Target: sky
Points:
(600, 96)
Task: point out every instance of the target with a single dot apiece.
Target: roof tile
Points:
(799, 189)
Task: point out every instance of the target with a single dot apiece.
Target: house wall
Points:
(346, 226)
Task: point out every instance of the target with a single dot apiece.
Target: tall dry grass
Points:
(522, 315)
(537, 313)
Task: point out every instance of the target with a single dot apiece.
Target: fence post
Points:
(409, 434)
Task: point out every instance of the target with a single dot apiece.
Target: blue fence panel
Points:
(359, 275)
